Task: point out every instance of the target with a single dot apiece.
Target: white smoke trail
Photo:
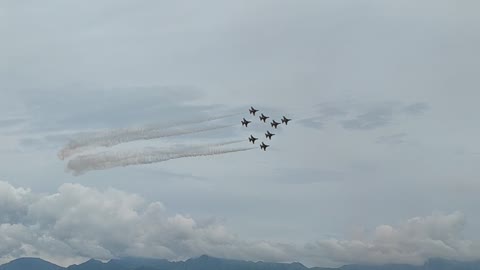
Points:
(114, 137)
(85, 141)
(189, 147)
(226, 143)
(103, 161)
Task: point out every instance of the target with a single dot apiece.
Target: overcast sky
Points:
(379, 164)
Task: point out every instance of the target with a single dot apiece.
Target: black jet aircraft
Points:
(285, 120)
(245, 122)
(264, 146)
(263, 118)
(274, 124)
(252, 139)
(252, 111)
(269, 135)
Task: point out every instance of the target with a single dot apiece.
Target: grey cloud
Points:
(312, 122)
(53, 110)
(412, 242)
(416, 108)
(358, 116)
(382, 115)
(11, 122)
(58, 116)
(83, 222)
(329, 110)
(371, 119)
(80, 222)
(13, 203)
(392, 139)
(323, 113)
(44, 142)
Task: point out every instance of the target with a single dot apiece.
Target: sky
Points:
(379, 164)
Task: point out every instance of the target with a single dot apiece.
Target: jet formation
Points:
(268, 134)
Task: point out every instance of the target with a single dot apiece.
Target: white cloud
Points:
(412, 242)
(79, 222)
(13, 202)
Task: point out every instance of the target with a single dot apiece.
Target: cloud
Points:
(358, 116)
(323, 113)
(11, 122)
(79, 222)
(412, 242)
(416, 108)
(100, 108)
(381, 115)
(82, 222)
(371, 119)
(393, 139)
(103, 116)
(312, 122)
(13, 203)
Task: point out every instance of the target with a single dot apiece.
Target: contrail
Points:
(189, 147)
(102, 161)
(86, 141)
(108, 139)
(226, 143)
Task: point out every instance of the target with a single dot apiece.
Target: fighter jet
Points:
(269, 135)
(263, 118)
(274, 124)
(245, 122)
(252, 111)
(264, 146)
(252, 139)
(285, 120)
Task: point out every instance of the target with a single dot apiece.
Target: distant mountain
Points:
(432, 264)
(201, 263)
(442, 264)
(206, 263)
(96, 265)
(211, 263)
(384, 267)
(134, 263)
(29, 264)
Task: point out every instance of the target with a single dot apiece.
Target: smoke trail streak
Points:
(189, 147)
(225, 143)
(85, 141)
(127, 135)
(103, 161)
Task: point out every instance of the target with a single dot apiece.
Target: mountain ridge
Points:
(205, 262)
(27, 263)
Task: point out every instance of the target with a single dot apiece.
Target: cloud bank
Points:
(412, 242)
(79, 222)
